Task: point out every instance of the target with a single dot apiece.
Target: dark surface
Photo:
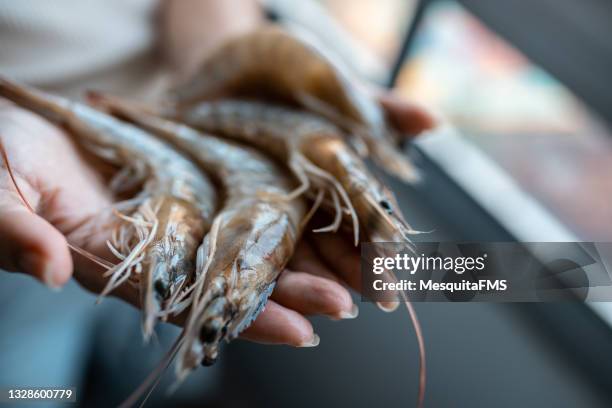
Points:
(479, 355)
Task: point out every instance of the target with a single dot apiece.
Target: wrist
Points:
(191, 29)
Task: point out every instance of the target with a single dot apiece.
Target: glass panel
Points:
(377, 28)
(517, 113)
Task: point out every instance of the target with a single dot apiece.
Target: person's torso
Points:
(68, 45)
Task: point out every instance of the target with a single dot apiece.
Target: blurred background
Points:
(527, 156)
(524, 153)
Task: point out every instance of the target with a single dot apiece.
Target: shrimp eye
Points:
(386, 206)
(208, 333)
(207, 361)
(161, 288)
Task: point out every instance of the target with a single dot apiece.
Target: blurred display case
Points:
(524, 154)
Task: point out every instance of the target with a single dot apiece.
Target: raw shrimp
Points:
(252, 238)
(319, 157)
(158, 241)
(316, 153)
(272, 63)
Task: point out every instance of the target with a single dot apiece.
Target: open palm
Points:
(68, 193)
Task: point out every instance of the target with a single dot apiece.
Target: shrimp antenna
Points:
(421, 342)
(94, 258)
(418, 331)
(321, 174)
(152, 380)
(313, 209)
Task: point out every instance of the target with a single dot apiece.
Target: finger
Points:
(305, 259)
(340, 256)
(345, 261)
(310, 295)
(31, 245)
(279, 325)
(407, 117)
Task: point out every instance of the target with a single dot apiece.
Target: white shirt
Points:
(70, 45)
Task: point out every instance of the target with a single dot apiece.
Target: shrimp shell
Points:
(317, 154)
(158, 241)
(272, 63)
(252, 238)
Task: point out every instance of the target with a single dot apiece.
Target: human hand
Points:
(188, 30)
(66, 189)
(63, 189)
(405, 116)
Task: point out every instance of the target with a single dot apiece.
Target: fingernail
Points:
(313, 342)
(32, 263)
(353, 313)
(388, 306)
(50, 279)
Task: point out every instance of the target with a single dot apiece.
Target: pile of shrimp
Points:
(228, 168)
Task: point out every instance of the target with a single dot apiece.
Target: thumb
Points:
(31, 245)
(409, 118)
